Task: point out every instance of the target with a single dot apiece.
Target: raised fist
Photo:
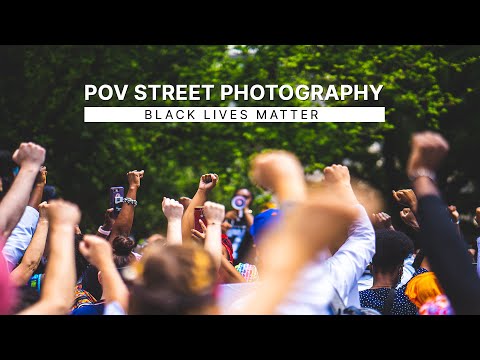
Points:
(96, 250)
(29, 154)
(382, 221)
(208, 182)
(406, 197)
(172, 209)
(108, 220)
(41, 178)
(272, 169)
(337, 174)
(454, 213)
(427, 152)
(408, 217)
(43, 210)
(134, 178)
(63, 212)
(214, 213)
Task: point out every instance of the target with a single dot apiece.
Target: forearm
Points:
(20, 237)
(447, 254)
(213, 243)
(348, 263)
(33, 255)
(174, 232)
(36, 196)
(106, 231)
(114, 289)
(124, 222)
(14, 203)
(228, 274)
(278, 279)
(287, 191)
(59, 284)
(249, 218)
(188, 219)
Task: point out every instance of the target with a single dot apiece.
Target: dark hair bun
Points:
(122, 246)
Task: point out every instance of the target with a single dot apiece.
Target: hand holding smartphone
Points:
(198, 215)
(116, 199)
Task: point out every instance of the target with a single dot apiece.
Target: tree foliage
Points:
(41, 99)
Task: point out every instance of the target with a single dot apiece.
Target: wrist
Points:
(133, 187)
(40, 184)
(43, 220)
(214, 224)
(62, 225)
(106, 227)
(174, 220)
(103, 231)
(414, 174)
(29, 167)
(106, 265)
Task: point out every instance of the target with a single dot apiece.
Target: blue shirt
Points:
(90, 309)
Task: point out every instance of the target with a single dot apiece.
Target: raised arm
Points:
(282, 173)
(406, 197)
(173, 211)
(105, 229)
(206, 184)
(58, 289)
(446, 252)
(33, 255)
(382, 221)
(37, 192)
(214, 215)
(319, 219)
(29, 157)
(99, 253)
(124, 222)
(408, 217)
(455, 215)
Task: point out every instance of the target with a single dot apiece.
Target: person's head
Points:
(245, 193)
(422, 288)
(391, 249)
(122, 247)
(26, 296)
(174, 280)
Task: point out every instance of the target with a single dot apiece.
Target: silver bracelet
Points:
(130, 201)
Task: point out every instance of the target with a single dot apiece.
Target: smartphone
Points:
(198, 214)
(116, 199)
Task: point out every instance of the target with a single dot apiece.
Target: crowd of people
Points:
(324, 247)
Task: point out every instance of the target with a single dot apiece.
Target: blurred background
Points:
(425, 87)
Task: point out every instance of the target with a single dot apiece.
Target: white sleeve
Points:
(20, 237)
(113, 308)
(347, 265)
(408, 270)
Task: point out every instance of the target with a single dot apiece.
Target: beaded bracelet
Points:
(130, 201)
